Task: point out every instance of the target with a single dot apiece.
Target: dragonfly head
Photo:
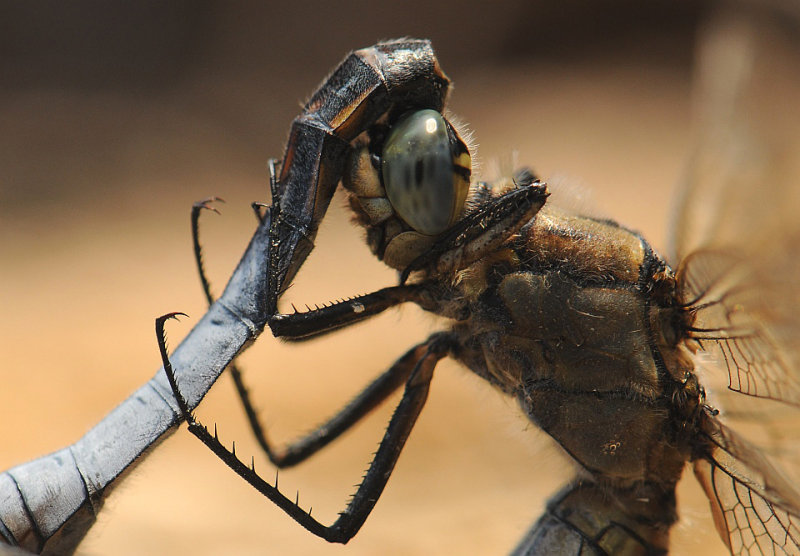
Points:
(408, 183)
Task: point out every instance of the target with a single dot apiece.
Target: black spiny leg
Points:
(417, 364)
(236, 374)
(300, 326)
(272, 165)
(304, 325)
(367, 400)
(198, 250)
(162, 348)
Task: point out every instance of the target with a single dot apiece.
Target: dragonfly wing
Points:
(747, 315)
(756, 510)
(736, 231)
(740, 185)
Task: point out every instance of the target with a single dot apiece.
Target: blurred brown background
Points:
(115, 117)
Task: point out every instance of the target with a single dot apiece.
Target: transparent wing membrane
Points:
(740, 185)
(746, 315)
(736, 242)
(755, 509)
(736, 230)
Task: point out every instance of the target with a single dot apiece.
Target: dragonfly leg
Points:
(416, 367)
(321, 320)
(367, 400)
(302, 326)
(258, 207)
(197, 208)
(236, 374)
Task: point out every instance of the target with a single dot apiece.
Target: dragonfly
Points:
(282, 242)
(577, 318)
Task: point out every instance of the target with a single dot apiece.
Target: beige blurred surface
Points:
(94, 243)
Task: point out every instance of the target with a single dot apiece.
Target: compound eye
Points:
(426, 168)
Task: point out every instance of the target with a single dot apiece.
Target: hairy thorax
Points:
(576, 317)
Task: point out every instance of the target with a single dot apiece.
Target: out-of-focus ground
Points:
(113, 125)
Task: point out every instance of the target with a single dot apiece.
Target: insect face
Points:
(410, 187)
(426, 168)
